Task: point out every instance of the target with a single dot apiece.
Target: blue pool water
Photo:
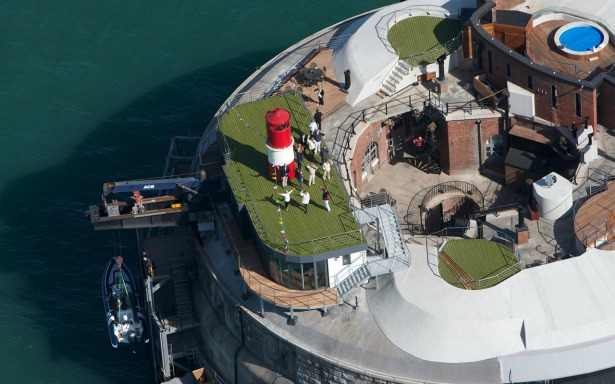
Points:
(582, 38)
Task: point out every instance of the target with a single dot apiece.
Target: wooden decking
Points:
(466, 280)
(542, 50)
(595, 220)
(259, 282)
(334, 96)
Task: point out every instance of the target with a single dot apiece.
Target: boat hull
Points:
(126, 321)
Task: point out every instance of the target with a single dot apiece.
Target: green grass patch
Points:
(422, 39)
(480, 259)
(245, 132)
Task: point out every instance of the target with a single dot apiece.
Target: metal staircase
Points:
(183, 296)
(392, 258)
(394, 243)
(353, 280)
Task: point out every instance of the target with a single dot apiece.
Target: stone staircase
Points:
(396, 77)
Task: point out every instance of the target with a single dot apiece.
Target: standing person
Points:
(321, 96)
(326, 167)
(326, 197)
(299, 176)
(303, 140)
(286, 196)
(312, 146)
(317, 138)
(149, 264)
(313, 126)
(285, 171)
(299, 152)
(305, 199)
(312, 170)
(324, 154)
(318, 118)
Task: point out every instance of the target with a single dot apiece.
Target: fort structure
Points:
(471, 230)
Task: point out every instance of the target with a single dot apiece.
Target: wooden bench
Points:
(466, 280)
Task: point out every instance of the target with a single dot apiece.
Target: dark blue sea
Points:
(90, 92)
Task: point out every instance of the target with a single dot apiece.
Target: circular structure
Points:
(581, 40)
(477, 263)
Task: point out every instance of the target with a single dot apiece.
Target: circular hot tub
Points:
(581, 40)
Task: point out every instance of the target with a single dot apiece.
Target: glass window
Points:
(309, 280)
(322, 274)
(346, 259)
(371, 154)
(296, 275)
(284, 274)
(489, 62)
(553, 97)
(508, 71)
(494, 146)
(577, 99)
(530, 82)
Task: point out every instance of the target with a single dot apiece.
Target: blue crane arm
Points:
(150, 185)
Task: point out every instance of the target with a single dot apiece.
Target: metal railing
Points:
(346, 272)
(466, 188)
(438, 240)
(269, 291)
(345, 131)
(375, 199)
(203, 361)
(591, 235)
(386, 22)
(431, 55)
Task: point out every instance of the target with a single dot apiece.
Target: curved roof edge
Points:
(498, 45)
(367, 56)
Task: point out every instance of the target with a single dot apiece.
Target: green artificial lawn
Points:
(480, 259)
(418, 34)
(245, 131)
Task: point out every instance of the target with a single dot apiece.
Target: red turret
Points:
(280, 143)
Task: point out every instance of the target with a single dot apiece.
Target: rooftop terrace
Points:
(422, 39)
(243, 135)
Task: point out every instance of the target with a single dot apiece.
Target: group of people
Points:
(306, 198)
(309, 145)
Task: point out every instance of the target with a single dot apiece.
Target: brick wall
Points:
(605, 102)
(375, 132)
(459, 144)
(564, 113)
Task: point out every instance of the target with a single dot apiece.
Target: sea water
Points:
(90, 92)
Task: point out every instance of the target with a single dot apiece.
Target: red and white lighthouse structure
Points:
(280, 143)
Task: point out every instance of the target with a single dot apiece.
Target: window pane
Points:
(321, 274)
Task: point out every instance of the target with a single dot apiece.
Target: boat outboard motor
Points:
(131, 336)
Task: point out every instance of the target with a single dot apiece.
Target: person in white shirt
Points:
(286, 196)
(312, 146)
(305, 199)
(312, 170)
(313, 126)
(326, 167)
